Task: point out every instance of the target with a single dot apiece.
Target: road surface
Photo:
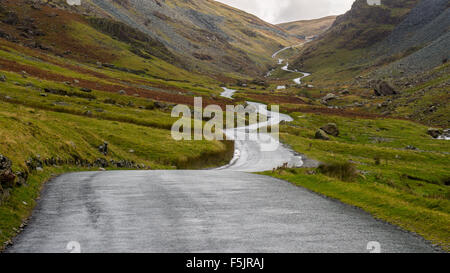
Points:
(199, 211)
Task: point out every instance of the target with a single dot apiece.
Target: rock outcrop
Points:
(328, 98)
(320, 134)
(435, 133)
(384, 89)
(331, 129)
(7, 176)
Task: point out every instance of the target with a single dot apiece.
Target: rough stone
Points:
(331, 129)
(384, 89)
(435, 133)
(329, 97)
(7, 177)
(87, 90)
(320, 134)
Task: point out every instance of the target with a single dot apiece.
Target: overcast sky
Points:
(280, 11)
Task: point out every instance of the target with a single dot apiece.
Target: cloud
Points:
(278, 11)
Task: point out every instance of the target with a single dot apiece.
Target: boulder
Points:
(446, 134)
(22, 178)
(7, 177)
(2, 78)
(435, 133)
(331, 129)
(5, 163)
(320, 134)
(103, 148)
(329, 97)
(122, 92)
(87, 90)
(384, 89)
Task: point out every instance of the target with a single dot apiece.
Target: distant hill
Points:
(208, 35)
(305, 28)
(369, 37)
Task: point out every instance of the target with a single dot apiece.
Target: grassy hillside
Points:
(306, 28)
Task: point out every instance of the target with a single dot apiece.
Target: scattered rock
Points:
(160, 105)
(331, 129)
(5, 163)
(384, 89)
(101, 169)
(22, 178)
(379, 140)
(435, 133)
(7, 177)
(61, 103)
(329, 97)
(87, 90)
(103, 148)
(446, 134)
(108, 65)
(410, 147)
(320, 134)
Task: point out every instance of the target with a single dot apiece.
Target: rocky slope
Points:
(423, 37)
(402, 42)
(208, 35)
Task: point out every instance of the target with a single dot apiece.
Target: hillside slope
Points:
(403, 43)
(208, 35)
(424, 33)
(305, 28)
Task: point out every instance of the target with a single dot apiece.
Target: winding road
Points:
(223, 210)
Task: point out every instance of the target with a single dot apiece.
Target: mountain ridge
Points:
(305, 28)
(209, 35)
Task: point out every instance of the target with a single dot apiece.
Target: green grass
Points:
(408, 188)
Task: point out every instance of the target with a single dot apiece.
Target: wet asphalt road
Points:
(199, 211)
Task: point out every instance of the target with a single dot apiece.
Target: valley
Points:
(86, 95)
